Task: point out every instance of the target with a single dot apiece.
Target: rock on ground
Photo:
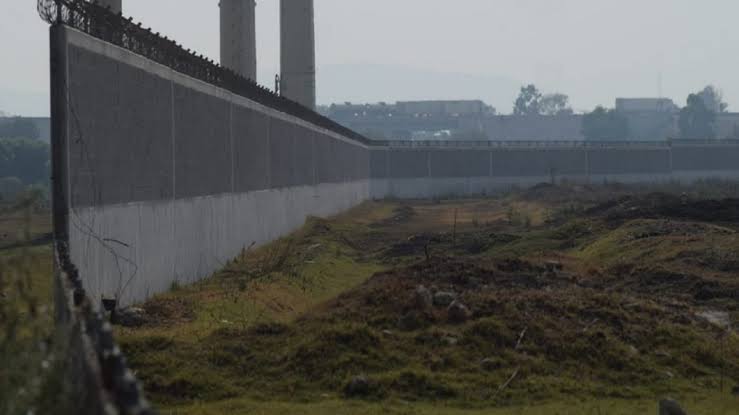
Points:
(422, 298)
(129, 317)
(357, 386)
(444, 298)
(670, 407)
(458, 312)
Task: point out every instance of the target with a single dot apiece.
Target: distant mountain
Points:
(372, 83)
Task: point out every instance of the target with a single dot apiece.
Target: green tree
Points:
(10, 188)
(18, 127)
(528, 101)
(697, 121)
(605, 124)
(26, 159)
(713, 98)
(555, 104)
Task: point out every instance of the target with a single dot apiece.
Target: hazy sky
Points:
(593, 50)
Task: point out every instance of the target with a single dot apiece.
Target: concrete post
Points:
(298, 52)
(115, 5)
(238, 37)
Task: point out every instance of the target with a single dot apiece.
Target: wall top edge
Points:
(83, 40)
(114, 29)
(532, 144)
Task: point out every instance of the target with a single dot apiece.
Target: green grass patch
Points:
(287, 327)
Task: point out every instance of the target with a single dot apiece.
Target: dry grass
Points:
(282, 328)
(31, 357)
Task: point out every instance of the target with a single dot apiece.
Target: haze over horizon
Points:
(386, 50)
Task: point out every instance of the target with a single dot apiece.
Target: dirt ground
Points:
(546, 295)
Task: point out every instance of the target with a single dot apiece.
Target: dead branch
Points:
(520, 338)
(507, 382)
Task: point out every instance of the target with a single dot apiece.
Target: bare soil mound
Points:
(663, 205)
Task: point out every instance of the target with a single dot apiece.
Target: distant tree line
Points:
(532, 102)
(24, 160)
(24, 163)
(697, 120)
(18, 127)
(605, 125)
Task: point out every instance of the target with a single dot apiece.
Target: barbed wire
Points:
(102, 23)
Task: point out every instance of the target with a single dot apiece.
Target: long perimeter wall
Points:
(160, 177)
(433, 169)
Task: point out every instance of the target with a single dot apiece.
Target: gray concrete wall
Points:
(451, 169)
(159, 177)
(168, 177)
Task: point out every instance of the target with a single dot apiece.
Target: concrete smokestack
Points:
(238, 37)
(115, 5)
(298, 52)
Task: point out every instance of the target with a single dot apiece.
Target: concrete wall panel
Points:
(364, 163)
(202, 152)
(345, 160)
(113, 164)
(543, 162)
(303, 157)
(251, 132)
(460, 163)
(692, 158)
(327, 170)
(629, 161)
(408, 163)
(378, 164)
(281, 142)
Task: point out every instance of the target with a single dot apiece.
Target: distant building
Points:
(649, 105)
(649, 119)
(454, 120)
(564, 127)
(727, 125)
(444, 108)
(413, 120)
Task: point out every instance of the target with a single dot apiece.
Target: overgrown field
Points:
(31, 355)
(559, 299)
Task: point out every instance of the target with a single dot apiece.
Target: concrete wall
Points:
(159, 177)
(453, 169)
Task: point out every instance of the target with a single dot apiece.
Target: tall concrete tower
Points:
(298, 52)
(115, 5)
(238, 37)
